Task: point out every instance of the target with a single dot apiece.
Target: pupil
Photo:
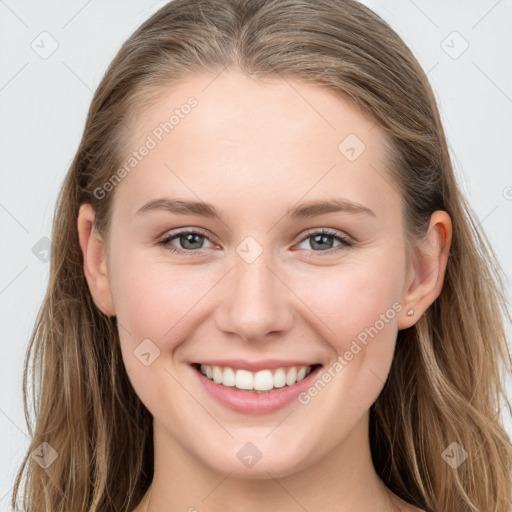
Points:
(323, 244)
(189, 238)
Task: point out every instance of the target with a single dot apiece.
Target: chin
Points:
(250, 464)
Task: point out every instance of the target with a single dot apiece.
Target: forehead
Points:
(237, 106)
(232, 134)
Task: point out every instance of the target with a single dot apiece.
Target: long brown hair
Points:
(446, 382)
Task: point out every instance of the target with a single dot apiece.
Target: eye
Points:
(323, 240)
(190, 241)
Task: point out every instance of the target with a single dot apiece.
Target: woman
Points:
(267, 290)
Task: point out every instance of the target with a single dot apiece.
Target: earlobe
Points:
(428, 270)
(95, 264)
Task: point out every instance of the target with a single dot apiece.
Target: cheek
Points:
(359, 320)
(351, 298)
(155, 299)
(156, 306)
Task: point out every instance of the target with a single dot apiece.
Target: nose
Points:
(256, 302)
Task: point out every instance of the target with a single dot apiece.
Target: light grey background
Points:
(44, 101)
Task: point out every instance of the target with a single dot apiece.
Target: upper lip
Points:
(253, 366)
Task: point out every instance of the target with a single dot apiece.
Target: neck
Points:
(343, 480)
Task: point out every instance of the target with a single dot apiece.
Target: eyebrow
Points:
(301, 211)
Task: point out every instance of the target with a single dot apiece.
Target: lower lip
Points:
(248, 402)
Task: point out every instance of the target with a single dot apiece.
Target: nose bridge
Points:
(255, 301)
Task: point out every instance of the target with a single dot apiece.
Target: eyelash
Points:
(345, 242)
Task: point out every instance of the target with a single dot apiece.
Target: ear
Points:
(427, 269)
(95, 263)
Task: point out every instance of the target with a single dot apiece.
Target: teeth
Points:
(291, 376)
(229, 377)
(217, 374)
(279, 378)
(264, 380)
(243, 379)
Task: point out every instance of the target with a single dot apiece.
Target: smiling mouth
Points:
(263, 381)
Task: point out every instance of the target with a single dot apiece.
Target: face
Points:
(261, 286)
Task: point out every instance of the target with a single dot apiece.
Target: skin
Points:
(254, 149)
